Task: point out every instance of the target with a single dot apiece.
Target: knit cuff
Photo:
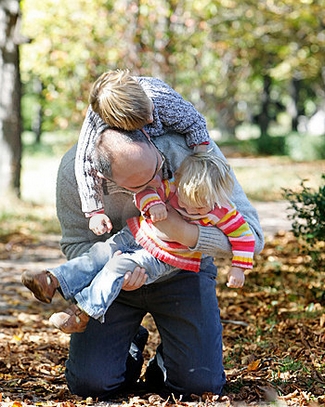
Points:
(98, 212)
(212, 241)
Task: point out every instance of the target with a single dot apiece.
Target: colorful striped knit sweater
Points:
(226, 218)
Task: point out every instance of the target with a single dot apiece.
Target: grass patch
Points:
(263, 178)
(28, 219)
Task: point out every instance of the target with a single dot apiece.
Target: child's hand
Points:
(236, 277)
(100, 224)
(157, 212)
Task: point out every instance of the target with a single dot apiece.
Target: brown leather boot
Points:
(71, 320)
(43, 284)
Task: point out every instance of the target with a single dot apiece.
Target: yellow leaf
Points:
(253, 366)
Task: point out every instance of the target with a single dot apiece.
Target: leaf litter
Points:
(274, 334)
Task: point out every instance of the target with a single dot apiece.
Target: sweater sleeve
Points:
(214, 242)
(89, 184)
(240, 237)
(147, 198)
(77, 238)
(172, 112)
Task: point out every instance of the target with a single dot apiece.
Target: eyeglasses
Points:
(157, 170)
(159, 166)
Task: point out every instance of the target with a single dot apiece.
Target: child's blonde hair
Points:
(120, 100)
(204, 179)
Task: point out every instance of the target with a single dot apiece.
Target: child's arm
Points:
(89, 184)
(100, 224)
(239, 234)
(236, 277)
(151, 203)
(175, 113)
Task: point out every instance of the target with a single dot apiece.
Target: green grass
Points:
(40, 165)
(290, 365)
(263, 178)
(28, 219)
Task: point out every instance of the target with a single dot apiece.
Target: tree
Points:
(10, 95)
(234, 59)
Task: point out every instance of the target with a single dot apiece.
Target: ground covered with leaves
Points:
(274, 333)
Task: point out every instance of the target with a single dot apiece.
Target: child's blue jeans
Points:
(95, 278)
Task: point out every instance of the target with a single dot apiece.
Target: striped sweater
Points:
(226, 218)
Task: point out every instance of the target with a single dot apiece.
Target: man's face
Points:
(138, 167)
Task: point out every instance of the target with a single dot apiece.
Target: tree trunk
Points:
(263, 118)
(38, 115)
(10, 96)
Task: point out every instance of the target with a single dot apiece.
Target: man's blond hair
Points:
(120, 100)
(203, 179)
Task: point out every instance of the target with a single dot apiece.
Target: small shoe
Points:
(155, 375)
(141, 338)
(71, 320)
(43, 284)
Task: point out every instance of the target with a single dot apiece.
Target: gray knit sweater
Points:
(76, 236)
(171, 113)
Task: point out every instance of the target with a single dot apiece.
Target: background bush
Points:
(308, 216)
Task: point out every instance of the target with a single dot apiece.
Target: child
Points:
(119, 100)
(200, 192)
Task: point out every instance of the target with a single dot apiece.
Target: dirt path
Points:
(273, 217)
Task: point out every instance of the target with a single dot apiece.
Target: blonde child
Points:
(200, 192)
(123, 101)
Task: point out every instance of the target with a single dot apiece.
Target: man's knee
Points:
(87, 384)
(185, 379)
(90, 380)
(198, 381)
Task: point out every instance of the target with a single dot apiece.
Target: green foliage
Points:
(53, 146)
(215, 53)
(290, 365)
(308, 216)
(270, 145)
(302, 147)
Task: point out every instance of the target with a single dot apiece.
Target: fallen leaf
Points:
(253, 366)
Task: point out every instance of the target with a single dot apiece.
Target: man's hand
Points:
(134, 280)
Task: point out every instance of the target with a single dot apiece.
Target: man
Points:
(183, 305)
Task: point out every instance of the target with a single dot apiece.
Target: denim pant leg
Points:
(96, 298)
(76, 274)
(186, 312)
(185, 309)
(100, 363)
